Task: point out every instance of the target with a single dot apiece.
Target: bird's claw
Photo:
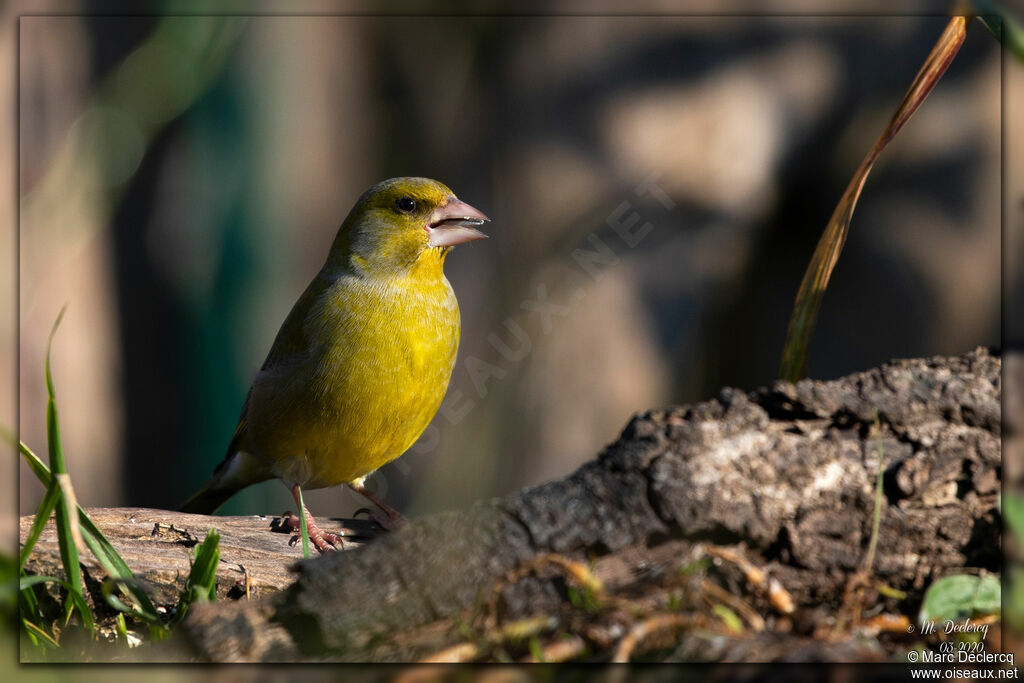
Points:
(323, 541)
(386, 521)
(384, 515)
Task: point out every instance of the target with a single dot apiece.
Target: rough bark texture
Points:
(157, 545)
(780, 483)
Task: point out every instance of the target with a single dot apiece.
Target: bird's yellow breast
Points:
(361, 396)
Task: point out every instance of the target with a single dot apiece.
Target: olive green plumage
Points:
(362, 362)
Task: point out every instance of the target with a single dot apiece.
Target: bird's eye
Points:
(406, 204)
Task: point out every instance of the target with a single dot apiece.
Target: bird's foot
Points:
(324, 541)
(382, 519)
(386, 516)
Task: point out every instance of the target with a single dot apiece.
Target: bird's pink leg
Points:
(323, 540)
(385, 515)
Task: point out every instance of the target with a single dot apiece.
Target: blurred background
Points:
(180, 180)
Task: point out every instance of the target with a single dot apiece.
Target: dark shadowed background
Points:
(182, 178)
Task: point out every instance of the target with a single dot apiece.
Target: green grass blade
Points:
(29, 580)
(123, 585)
(107, 589)
(23, 600)
(204, 569)
(32, 618)
(30, 604)
(46, 507)
(201, 585)
(108, 557)
(57, 464)
(305, 528)
(37, 466)
(113, 564)
(157, 629)
(26, 582)
(69, 537)
(35, 631)
(68, 550)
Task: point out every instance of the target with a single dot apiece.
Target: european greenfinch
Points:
(362, 362)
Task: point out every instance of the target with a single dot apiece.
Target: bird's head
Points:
(404, 223)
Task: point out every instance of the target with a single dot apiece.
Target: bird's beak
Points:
(453, 223)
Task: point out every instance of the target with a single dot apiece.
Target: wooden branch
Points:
(157, 545)
(776, 488)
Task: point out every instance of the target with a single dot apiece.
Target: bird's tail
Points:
(206, 500)
(238, 471)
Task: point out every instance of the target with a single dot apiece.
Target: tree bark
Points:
(762, 503)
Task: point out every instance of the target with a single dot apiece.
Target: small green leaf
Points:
(575, 597)
(696, 566)
(961, 596)
(728, 617)
(121, 629)
(989, 597)
(890, 592)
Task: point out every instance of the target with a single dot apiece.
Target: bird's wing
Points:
(290, 346)
(291, 343)
(240, 431)
(239, 468)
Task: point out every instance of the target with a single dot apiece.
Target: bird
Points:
(363, 360)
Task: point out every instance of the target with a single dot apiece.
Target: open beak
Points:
(453, 223)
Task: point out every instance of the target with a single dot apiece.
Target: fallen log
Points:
(758, 506)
